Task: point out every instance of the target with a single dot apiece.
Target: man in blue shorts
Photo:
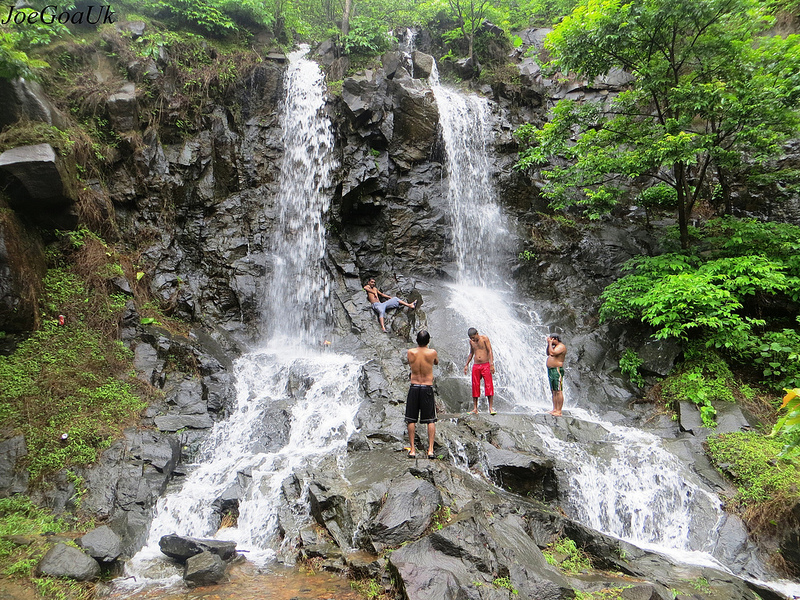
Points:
(420, 404)
(380, 308)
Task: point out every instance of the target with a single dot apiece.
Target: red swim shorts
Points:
(485, 371)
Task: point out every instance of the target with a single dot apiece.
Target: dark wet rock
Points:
(659, 356)
(391, 62)
(178, 422)
(528, 476)
(416, 119)
(689, 419)
(185, 396)
(406, 513)
(102, 544)
(424, 64)
(459, 560)
(39, 183)
(147, 363)
(25, 99)
(13, 478)
(205, 568)
(163, 452)
(132, 526)
(68, 562)
(22, 269)
(181, 548)
(123, 109)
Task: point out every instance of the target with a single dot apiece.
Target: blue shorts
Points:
(382, 307)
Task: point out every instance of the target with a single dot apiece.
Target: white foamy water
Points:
(306, 401)
(478, 230)
(298, 300)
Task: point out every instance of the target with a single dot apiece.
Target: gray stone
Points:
(659, 356)
(135, 28)
(102, 544)
(24, 99)
(407, 512)
(178, 422)
(415, 126)
(205, 568)
(123, 109)
(40, 174)
(13, 480)
(689, 419)
(182, 548)
(146, 362)
(424, 64)
(69, 562)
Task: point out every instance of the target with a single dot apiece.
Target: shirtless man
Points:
(556, 351)
(481, 348)
(380, 308)
(420, 405)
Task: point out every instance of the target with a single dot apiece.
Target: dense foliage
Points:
(706, 95)
(72, 380)
(736, 291)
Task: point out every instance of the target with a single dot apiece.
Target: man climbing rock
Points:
(380, 308)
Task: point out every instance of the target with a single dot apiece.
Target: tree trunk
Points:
(683, 218)
(348, 7)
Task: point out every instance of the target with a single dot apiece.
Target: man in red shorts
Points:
(481, 348)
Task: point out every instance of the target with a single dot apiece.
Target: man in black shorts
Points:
(420, 405)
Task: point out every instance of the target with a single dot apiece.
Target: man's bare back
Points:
(421, 361)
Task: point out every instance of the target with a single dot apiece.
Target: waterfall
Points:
(297, 302)
(477, 225)
(406, 48)
(295, 402)
(624, 484)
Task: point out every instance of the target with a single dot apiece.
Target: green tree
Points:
(469, 15)
(706, 93)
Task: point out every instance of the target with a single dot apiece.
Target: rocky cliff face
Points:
(201, 209)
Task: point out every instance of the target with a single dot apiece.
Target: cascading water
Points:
(295, 404)
(477, 224)
(625, 484)
(297, 301)
(406, 48)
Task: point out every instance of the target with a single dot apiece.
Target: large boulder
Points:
(205, 568)
(415, 125)
(424, 64)
(407, 512)
(463, 560)
(182, 548)
(67, 561)
(39, 184)
(102, 544)
(23, 99)
(123, 108)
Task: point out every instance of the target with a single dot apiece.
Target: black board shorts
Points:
(420, 404)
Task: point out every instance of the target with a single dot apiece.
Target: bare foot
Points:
(473, 412)
(555, 413)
